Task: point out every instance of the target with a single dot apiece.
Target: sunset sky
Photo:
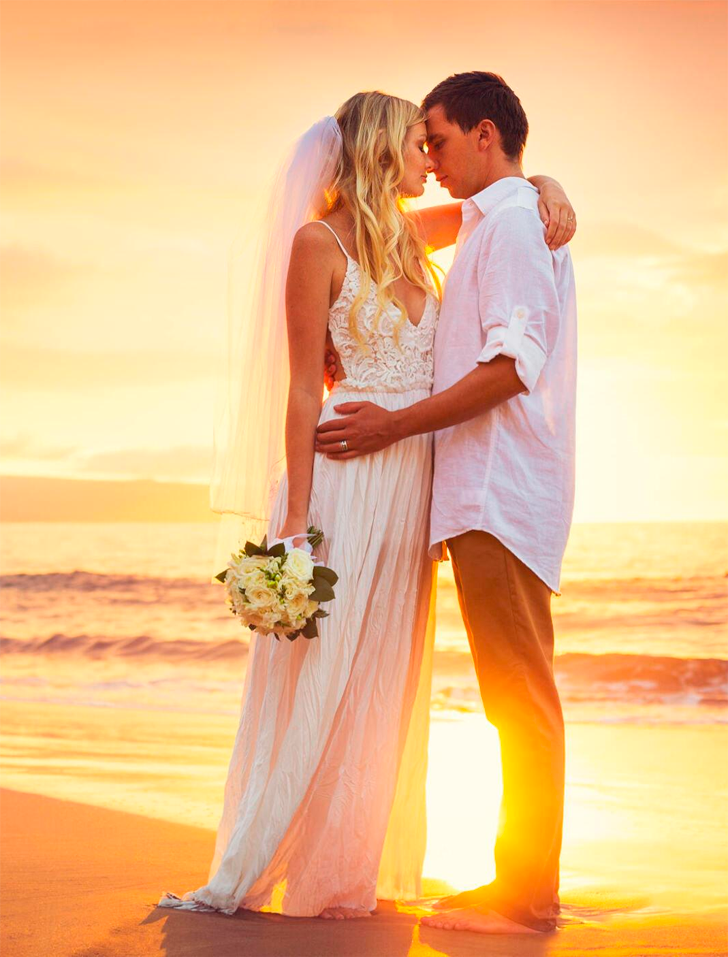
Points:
(136, 136)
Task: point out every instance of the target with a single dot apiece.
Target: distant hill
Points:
(34, 499)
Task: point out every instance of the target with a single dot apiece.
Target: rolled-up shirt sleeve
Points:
(517, 298)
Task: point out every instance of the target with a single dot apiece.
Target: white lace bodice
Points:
(389, 367)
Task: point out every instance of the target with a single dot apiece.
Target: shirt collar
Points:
(489, 197)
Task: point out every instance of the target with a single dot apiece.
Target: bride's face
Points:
(417, 164)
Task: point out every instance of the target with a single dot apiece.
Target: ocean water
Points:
(124, 616)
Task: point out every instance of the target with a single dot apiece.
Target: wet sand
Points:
(83, 881)
(107, 808)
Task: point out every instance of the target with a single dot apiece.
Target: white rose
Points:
(294, 586)
(277, 611)
(246, 561)
(242, 583)
(299, 564)
(246, 575)
(297, 604)
(233, 595)
(259, 596)
(262, 628)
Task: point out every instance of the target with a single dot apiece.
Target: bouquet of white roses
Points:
(278, 591)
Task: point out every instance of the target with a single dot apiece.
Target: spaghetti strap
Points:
(341, 245)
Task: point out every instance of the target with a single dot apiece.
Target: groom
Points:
(502, 411)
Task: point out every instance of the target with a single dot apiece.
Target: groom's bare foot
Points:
(482, 921)
(473, 898)
(343, 913)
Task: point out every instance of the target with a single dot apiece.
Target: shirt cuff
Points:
(510, 340)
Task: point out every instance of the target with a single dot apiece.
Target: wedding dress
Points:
(324, 802)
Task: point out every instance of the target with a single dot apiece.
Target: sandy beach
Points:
(120, 701)
(82, 881)
(644, 862)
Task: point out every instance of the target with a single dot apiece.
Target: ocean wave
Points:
(620, 678)
(84, 581)
(631, 587)
(592, 605)
(139, 646)
(581, 677)
(662, 674)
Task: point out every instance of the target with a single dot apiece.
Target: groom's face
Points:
(455, 155)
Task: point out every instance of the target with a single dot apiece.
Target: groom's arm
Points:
(368, 427)
(479, 391)
(519, 311)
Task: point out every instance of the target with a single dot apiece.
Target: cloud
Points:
(623, 240)
(23, 446)
(32, 275)
(52, 370)
(187, 463)
(708, 268)
(20, 175)
(638, 249)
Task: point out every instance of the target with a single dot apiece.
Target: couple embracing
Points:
(448, 428)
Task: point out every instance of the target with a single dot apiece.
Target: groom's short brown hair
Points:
(469, 98)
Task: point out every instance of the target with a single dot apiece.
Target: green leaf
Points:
(328, 573)
(252, 549)
(310, 629)
(222, 576)
(277, 551)
(320, 613)
(323, 591)
(264, 544)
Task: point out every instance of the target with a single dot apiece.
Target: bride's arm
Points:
(308, 289)
(555, 209)
(439, 225)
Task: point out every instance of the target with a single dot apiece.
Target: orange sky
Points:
(135, 135)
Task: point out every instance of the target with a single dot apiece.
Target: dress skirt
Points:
(324, 802)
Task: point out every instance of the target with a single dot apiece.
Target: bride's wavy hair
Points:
(388, 244)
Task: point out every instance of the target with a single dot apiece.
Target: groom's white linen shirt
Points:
(508, 471)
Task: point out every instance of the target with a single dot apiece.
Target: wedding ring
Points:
(343, 445)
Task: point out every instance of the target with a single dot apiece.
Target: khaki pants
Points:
(507, 613)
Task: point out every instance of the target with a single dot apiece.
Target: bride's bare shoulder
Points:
(313, 236)
(315, 253)
(314, 246)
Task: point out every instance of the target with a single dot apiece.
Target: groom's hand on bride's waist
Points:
(363, 428)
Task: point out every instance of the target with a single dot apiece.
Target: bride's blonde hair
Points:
(388, 245)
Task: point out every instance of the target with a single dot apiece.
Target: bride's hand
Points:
(331, 368)
(557, 214)
(294, 526)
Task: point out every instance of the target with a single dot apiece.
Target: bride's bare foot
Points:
(481, 921)
(343, 913)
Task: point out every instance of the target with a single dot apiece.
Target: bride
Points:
(324, 804)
